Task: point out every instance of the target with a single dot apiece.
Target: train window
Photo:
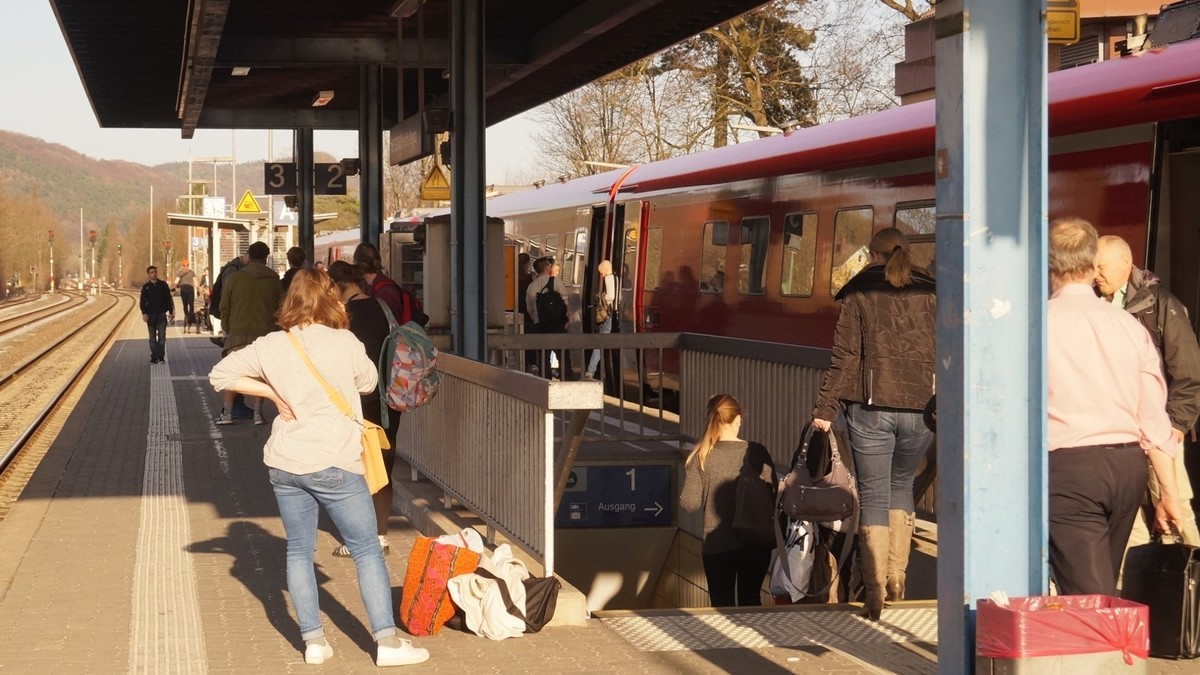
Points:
(653, 258)
(552, 248)
(851, 236)
(752, 256)
(535, 248)
(712, 256)
(919, 222)
(799, 254)
(568, 263)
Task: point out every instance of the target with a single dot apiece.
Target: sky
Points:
(41, 95)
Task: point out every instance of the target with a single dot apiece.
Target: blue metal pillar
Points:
(370, 153)
(467, 211)
(304, 190)
(991, 264)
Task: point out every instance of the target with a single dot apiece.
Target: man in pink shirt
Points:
(1106, 399)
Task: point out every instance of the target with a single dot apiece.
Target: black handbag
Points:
(1166, 577)
(754, 515)
(827, 497)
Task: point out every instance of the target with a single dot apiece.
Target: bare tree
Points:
(909, 9)
(852, 60)
(752, 66)
(595, 123)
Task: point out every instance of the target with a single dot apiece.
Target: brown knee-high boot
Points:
(900, 530)
(872, 560)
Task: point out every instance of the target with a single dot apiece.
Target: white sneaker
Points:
(404, 655)
(258, 418)
(224, 418)
(316, 654)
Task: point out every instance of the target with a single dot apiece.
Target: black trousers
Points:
(735, 578)
(1094, 496)
(187, 293)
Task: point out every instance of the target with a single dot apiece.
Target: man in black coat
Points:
(158, 307)
(1140, 294)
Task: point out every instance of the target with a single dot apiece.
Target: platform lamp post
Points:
(92, 240)
(51, 261)
(120, 268)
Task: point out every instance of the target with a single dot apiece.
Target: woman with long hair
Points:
(734, 569)
(882, 372)
(314, 453)
(379, 285)
(370, 325)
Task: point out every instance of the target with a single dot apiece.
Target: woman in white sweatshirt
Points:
(314, 451)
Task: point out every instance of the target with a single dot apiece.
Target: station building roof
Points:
(170, 63)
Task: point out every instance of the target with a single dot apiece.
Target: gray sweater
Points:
(320, 436)
(715, 489)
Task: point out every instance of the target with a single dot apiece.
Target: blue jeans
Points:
(888, 445)
(605, 328)
(156, 324)
(348, 502)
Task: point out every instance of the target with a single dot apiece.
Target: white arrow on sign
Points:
(652, 508)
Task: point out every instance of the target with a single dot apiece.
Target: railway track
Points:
(27, 316)
(34, 389)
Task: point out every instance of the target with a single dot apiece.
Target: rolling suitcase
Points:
(1166, 577)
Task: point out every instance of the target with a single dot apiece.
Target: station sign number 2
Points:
(279, 178)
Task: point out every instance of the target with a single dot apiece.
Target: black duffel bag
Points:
(825, 498)
(1166, 577)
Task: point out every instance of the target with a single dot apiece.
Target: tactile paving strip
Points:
(774, 629)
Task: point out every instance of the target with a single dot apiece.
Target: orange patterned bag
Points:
(425, 603)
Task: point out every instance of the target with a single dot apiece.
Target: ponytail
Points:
(722, 409)
(893, 246)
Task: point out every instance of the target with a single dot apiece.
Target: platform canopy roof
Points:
(170, 63)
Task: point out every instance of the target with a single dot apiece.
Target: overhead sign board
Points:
(329, 179)
(1062, 22)
(248, 204)
(279, 178)
(616, 496)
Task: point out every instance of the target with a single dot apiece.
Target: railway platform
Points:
(148, 541)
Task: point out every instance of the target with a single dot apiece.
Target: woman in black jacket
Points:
(882, 371)
(734, 570)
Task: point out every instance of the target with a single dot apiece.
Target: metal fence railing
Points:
(487, 440)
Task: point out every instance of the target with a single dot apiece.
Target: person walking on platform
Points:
(158, 308)
(734, 570)
(1106, 401)
(314, 454)
(186, 283)
(379, 285)
(607, 296)
(249, 300)
(296, 258)
(369, 323)
(882, 371)
(542, 298)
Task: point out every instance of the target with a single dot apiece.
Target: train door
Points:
(1176, 213)
(599, 247)
(1175, 230)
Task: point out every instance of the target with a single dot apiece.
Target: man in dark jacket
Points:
(248, 304)
(1140, 294)
(158, 307)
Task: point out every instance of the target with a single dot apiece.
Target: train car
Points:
(337, 245)
(754, 240)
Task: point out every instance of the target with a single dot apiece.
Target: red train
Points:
(753, 240)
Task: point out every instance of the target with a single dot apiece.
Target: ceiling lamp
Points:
(322, 98)
(240, 71)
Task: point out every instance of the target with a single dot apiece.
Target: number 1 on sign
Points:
(632, 479)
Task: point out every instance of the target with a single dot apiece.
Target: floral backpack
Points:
(408, 376)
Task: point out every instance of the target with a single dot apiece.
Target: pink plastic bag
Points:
(1061, 625)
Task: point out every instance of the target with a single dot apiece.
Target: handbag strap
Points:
(329, 391)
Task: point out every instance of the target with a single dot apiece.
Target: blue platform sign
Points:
(616, 496)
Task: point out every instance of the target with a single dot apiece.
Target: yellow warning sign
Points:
(436, 187)
(1062, 22)
(248, 204)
